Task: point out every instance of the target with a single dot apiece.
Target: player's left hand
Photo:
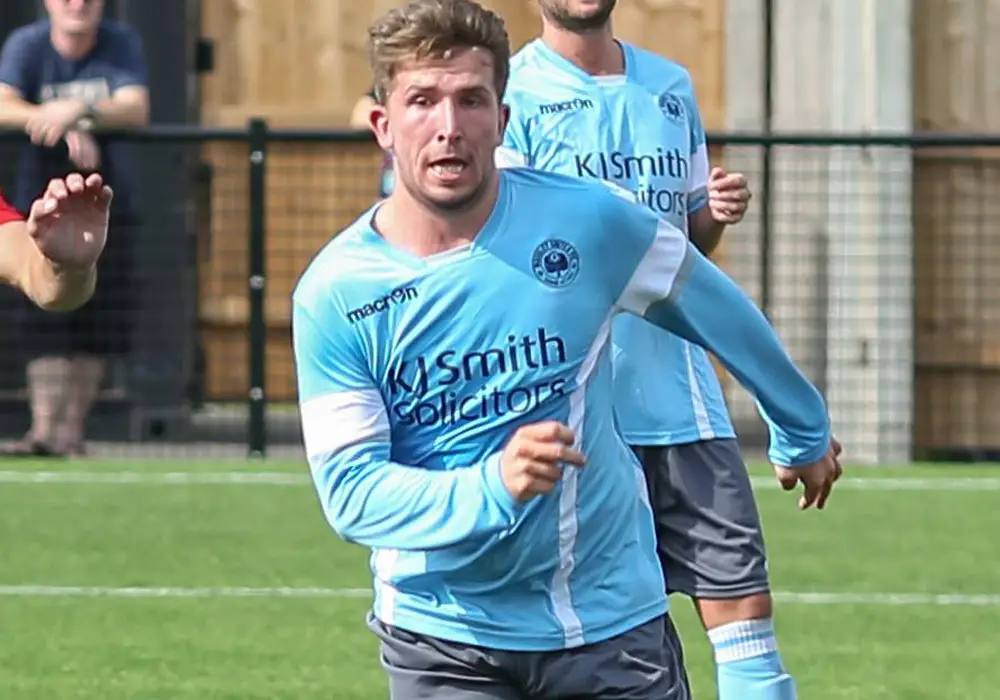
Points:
(69, 222)
(817, 478)
(728, 196)
(52, 120)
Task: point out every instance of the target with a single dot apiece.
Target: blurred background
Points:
(867, 130)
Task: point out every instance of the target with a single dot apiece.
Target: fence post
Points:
(766, 169)
(256, 284)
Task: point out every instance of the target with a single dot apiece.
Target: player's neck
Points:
(595, 52)
(411, 225)
(73, 46)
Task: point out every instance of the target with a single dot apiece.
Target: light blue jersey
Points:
(642, 131)
(413, 373)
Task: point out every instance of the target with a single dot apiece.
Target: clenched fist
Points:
(728, 196)
(534, 458)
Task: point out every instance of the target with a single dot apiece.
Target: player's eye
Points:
(473, 100)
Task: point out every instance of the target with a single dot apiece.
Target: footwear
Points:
(75, 449)
(29, 447)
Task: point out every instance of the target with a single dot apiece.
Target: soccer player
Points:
(587, 105)
(52, 255)
(454, 376)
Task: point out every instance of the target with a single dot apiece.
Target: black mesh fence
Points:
(874, 257)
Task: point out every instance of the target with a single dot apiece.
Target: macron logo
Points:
(377, 306)
(567, 106)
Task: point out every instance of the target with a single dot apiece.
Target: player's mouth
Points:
(447, 169)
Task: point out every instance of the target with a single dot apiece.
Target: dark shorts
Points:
(708, 527)
(102, 326)
(645, 663)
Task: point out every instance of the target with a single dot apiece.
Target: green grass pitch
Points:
(81, 552)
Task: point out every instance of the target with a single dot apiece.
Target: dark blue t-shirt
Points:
(30, 64)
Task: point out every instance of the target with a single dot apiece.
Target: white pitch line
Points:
(860, 483)
(887, 599)
(787, 597)
(138, 477)
(888, 483)
(178, 592)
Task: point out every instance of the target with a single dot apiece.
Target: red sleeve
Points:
(7, 212)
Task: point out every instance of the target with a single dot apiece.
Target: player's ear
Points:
(504, 118)
(378, 120)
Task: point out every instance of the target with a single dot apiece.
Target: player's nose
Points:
(448, 128)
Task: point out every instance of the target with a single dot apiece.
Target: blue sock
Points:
(747, 663)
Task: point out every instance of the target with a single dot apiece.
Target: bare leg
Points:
(48, 378)
(86, 374)
(47, 388)
(718, 612)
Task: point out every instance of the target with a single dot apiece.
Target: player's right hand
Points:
(817, 478)
(534, 458)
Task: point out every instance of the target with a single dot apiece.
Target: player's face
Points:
(578, 15)
(75, 16)
(442, 122)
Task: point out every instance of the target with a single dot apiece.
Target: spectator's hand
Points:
(728, 196)
(52, 120)
(533, 460)
(69, 222)
(83, 150)
(818, 478)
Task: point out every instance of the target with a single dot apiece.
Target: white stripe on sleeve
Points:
(656, 273)
(699, 169)
(334, 421)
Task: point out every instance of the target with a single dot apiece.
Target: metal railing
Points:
(873, 255)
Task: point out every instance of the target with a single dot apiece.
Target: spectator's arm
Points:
(14, 110)
(15, 78)
(128, 105)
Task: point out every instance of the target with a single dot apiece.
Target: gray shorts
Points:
(708, 528)
(645, 663)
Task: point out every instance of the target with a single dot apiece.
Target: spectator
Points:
(63, 80)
